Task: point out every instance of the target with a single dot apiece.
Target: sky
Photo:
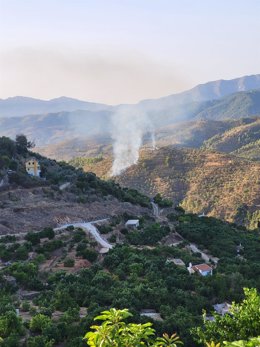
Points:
(123, 51)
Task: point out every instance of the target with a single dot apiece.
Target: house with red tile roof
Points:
(202, 269)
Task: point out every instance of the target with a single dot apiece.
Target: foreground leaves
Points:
(114, 332)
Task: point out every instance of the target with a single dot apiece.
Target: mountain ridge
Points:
(199, 93)
(23, 106)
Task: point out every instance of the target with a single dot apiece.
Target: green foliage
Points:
(104, 229)
(219, 237)
(39, 341)
(114, 331)
(22, 144)
(89, 254)
(69, 262)
(162, 202)
(149, 236)
(7, 147)
(26, 274)
(243, 322)
(10, 323)
(39, 323)
(112, 239)
(252, 342)
(79, 235)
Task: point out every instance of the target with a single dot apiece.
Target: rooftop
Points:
(202, 267)
(132, 221)
(151, 314)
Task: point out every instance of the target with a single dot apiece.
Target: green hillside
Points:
(235, 106)
(241, 140)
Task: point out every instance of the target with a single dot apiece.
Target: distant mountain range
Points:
(191, 103)
(178, 104)
(187, 118)
(23, 106)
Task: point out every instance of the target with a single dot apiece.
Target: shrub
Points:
(69, 262)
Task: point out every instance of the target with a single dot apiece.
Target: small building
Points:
(132, 223)
(151, 314)
(202, 269)
(222, 308)
(176, 261)
(33, 167)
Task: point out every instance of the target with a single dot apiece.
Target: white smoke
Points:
(153, 140)
(130, 124)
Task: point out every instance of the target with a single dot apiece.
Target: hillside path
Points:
(89, 226)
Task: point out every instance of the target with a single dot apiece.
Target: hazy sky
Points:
(119, 51)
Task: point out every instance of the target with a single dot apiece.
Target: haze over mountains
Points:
(220, 116)
(22, 106)
(62, 119)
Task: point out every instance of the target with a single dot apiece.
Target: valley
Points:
(67, 250)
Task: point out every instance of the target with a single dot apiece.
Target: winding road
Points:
(89, 226)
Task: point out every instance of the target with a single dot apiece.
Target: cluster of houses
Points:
(202, 269)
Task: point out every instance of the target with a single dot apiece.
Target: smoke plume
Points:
(130, 124)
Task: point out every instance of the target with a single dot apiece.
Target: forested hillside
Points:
(241, 140)
(219, 185)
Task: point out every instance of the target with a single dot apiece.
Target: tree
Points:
(47, 232)
(115, 332)
(39, 341)
(7, 146)
(253, 342)
(39, 322)
(69, 262)
(22, 144)
(243, 322)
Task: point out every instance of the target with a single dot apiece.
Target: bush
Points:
(112, 239)
(89, 254)
(104, 229)
(69, 262)
(39, 322)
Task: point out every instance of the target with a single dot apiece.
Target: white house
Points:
(132, 223)
(202, 269)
